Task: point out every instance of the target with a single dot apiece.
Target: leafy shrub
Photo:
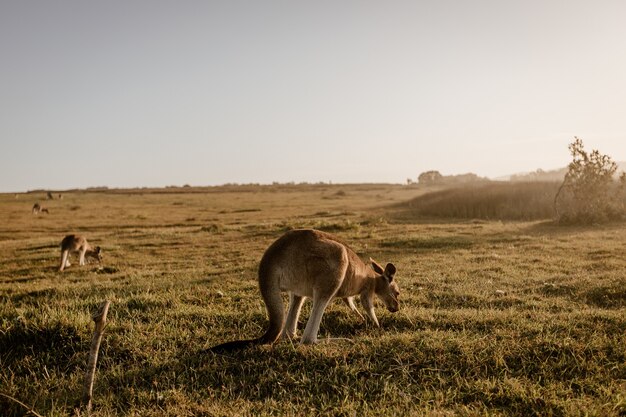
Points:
(589, 192)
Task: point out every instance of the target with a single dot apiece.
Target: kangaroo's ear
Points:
(390, 271)
(377, 268)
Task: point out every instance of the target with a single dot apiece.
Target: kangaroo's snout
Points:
(393, 309)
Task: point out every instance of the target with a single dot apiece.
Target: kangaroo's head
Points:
(386, 288)
(95, 253)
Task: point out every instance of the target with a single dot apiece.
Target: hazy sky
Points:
(155, 93)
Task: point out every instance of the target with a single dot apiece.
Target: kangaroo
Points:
(314, 264)
(73, 243)
(38, 208)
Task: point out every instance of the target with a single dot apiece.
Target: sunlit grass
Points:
(517, 318)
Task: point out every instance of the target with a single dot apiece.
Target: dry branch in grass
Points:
(99, 317)
(27, 407)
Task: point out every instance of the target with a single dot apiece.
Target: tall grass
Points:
(493, 201)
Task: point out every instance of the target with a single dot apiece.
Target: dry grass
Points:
(490, 201)
(518, 318)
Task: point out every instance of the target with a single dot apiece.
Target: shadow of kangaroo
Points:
(314, 264)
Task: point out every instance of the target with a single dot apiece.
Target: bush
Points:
(589, 192)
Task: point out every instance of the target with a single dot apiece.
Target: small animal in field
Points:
(77, 244)
(312, 264)
(38, 208)
(49, 196)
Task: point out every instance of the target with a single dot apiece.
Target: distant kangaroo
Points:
(314, 264)
(38, 208)
(73, 243)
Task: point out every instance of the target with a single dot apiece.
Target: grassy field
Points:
(497, 318)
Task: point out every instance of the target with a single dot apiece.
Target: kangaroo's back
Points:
(303, 261)
(72, 243)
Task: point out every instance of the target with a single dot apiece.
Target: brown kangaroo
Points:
(73, 243)
(315, 264)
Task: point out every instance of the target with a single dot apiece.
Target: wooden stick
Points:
(30, 409)
(100, 318)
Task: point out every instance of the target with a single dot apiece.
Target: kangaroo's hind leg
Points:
(327, 277)
(313, 324)
(65, 262)
(295, 304)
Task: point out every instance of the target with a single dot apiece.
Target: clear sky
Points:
(155, 93)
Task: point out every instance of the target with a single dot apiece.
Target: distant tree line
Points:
(436, 178)
(540, 175)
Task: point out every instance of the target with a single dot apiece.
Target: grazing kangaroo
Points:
(38, 208)
(314, 264)
(73, 243)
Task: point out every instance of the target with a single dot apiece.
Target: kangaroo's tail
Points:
(234, 345)
(270, 291)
